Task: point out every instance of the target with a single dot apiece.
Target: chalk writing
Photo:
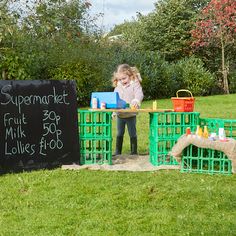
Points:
(50, 127)
(9, 119)
(19, 148)
(20, 100)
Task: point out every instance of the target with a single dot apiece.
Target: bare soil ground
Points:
(124, 163)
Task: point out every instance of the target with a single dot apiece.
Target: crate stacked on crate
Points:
(164, 130)
(204, 160)
(95, 132)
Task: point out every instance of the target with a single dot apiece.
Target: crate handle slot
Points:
(183, 90)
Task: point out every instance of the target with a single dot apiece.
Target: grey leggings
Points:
(131, 125)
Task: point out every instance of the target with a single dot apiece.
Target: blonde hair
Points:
(132, 72)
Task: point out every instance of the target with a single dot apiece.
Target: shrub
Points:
(189, 73)
(14, 68)
(152, 66)
(91, 65)
(86, 76)
(232, 81)
(156, 82)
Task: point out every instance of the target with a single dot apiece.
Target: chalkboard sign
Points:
(38, 126)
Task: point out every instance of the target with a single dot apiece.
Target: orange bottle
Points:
(188, 131)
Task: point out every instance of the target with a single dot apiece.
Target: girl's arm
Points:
(138, 94)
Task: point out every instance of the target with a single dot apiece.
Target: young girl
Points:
(126, 81)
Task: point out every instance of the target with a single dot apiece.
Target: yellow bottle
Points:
(205, 132)
(200, 133)
(154, 105)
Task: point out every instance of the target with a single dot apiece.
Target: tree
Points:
(167, 28)
(9, 32)
(35, 36)
(128, 31)
(53, 18)
(217, 27)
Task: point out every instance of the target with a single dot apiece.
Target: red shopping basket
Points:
(183, 104)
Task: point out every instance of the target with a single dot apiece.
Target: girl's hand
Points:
(135, 104)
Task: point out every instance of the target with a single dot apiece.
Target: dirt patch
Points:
(123, 163)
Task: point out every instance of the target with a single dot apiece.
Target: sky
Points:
(117, 11)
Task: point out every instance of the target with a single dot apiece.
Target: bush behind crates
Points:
(92, 65)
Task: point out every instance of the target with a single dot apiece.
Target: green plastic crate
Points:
(95, 132)
(95, 124)
(159, 151)
(204, 160)
(164, 130)
(95, 151)
(213, 125)
(166, 125)
(173, 118)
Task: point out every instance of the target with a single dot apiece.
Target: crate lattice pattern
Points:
(95, 131)
(204, 160)
(164, 130)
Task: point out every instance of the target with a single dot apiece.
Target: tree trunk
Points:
(224, 69)
(4, 74)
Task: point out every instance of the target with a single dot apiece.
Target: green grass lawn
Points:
(86, 202)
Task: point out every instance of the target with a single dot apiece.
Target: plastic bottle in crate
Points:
(94, 103)
(205, 132)
(199, 132)
(222, 135)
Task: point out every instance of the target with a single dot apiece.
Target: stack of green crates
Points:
(164, 130)
(204, 160)
(95, 133)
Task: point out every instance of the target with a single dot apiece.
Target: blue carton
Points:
(111, 99)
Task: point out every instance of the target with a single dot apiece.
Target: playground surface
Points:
(124, 163)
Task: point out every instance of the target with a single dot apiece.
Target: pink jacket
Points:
(130, 93)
